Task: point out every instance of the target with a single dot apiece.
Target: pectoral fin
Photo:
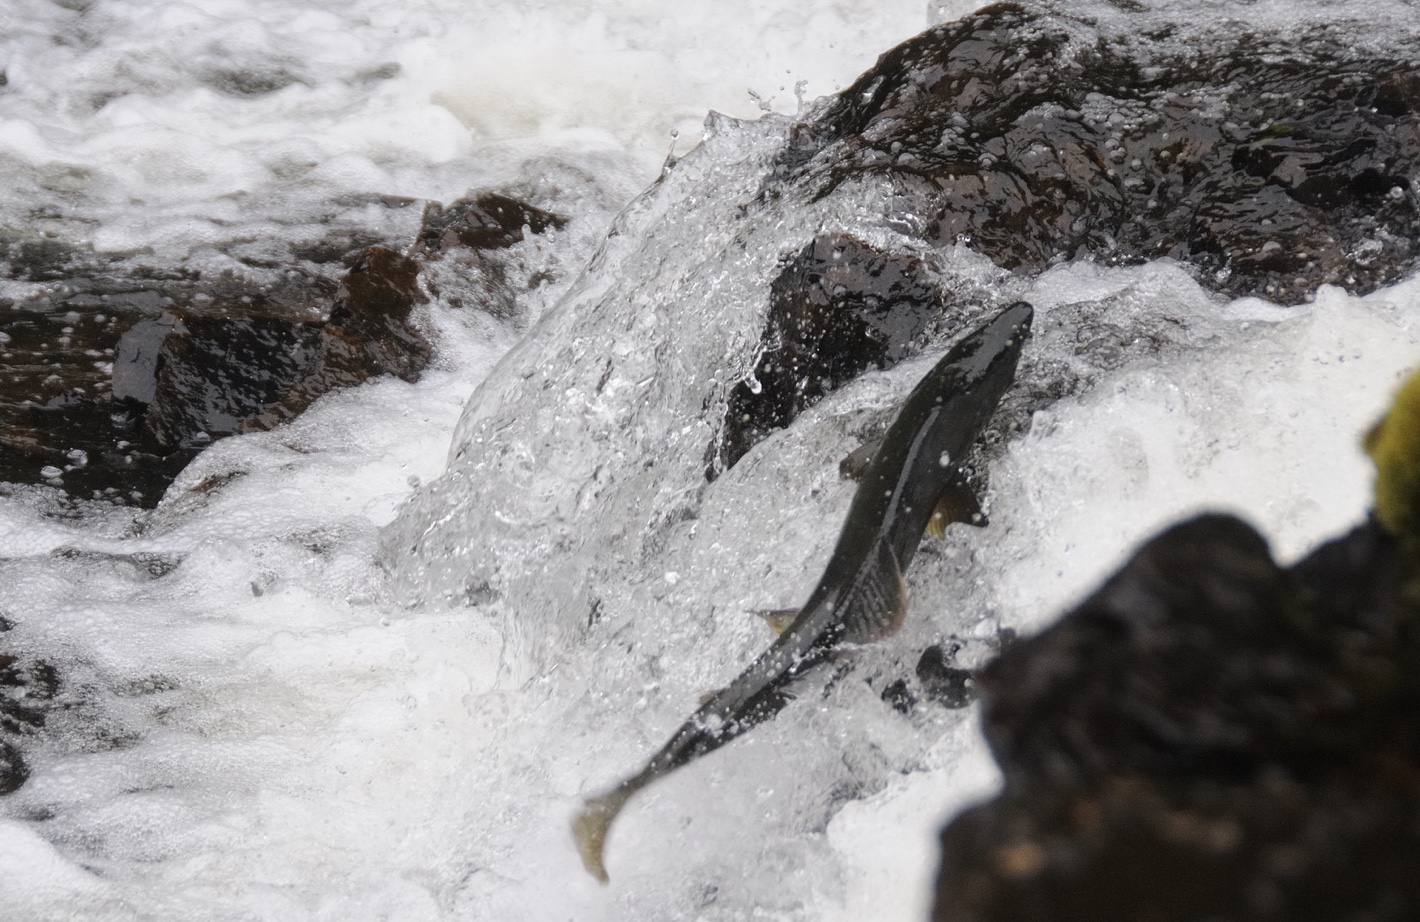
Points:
(877, 602)
(779, 618)
(855, 464)
(957, 504)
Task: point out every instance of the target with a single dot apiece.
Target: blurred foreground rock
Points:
(1209, 737)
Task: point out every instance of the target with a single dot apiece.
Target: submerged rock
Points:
(945, 674)
(13, 770)
(27, 689)
(465, 251)
(1210, 736)
(60, 423)
(489, 222)
(371, 320)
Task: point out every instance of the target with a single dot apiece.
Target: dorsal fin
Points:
(877, 601)
(855, 464)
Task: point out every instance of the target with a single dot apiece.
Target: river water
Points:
(272, 710)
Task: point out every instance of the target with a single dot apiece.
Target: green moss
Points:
(1394, 446)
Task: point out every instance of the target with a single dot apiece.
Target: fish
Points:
(862, 596)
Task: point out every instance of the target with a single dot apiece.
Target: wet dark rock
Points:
(27, 690)
(59, 423)
(1273, 166)
(1269, 166)
(899, 696)
(945, 674)
(112, 386)
(942, 680)
(838, 307)
(1210, 736)
(372, 319)
(1181, 663)
(216, 375)
(80, 361)
(1172, 852)
(344, 247)
(938, 680)
(489, 222)
(13, 770)
(469, 255)
(41, 258)
(138, 567)
(115, 381)
(135, 360)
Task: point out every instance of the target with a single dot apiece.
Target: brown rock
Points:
(489, 222)
(1273, 166)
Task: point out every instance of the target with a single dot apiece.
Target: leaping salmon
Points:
(913, 474)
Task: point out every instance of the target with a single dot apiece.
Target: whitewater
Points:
(273, 709)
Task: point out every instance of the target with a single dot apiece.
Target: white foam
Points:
(120, 111)
(1265, 423)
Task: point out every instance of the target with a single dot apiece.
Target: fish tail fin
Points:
(591, 826)
(877, 603)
